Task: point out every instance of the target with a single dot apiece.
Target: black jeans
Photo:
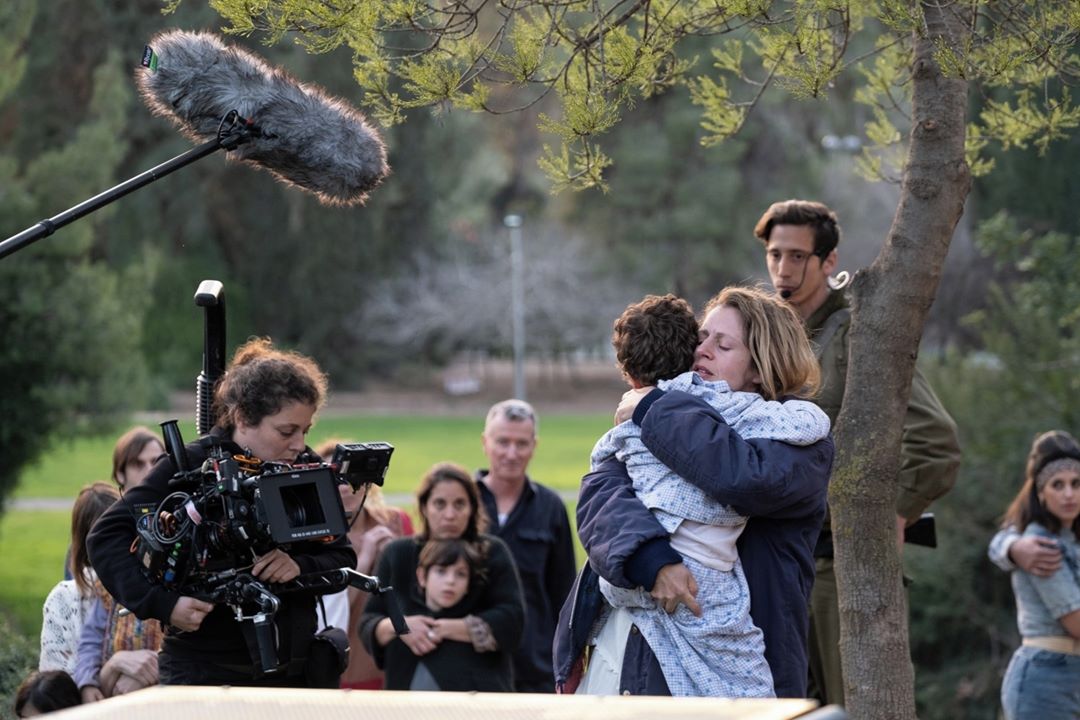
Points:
(186, 671)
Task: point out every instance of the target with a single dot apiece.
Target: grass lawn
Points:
(33, 543)
(33, 546)
(419, 442)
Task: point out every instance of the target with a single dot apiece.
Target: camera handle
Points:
(263, 621)
(264, 639)
(393, 608)
(331, 581)
(240, 588)
(210, 295)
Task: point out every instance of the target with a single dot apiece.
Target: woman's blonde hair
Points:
(779, 349)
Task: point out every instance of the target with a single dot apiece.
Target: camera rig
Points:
(203, 537)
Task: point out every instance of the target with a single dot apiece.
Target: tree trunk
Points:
(890, 302)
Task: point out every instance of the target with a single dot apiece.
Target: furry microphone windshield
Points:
(304, 136)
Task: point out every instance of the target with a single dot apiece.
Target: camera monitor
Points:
(302, 505)
(362, 463)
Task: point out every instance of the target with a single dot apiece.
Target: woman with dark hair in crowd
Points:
(45, 692)
(489, 617)
(1043, 678)
(264, 406)
(69, 603)
(117, 651)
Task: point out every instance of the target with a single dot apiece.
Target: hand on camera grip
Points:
(189, 612)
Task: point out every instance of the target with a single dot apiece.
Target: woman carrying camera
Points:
(1043, 678)
(263, 407)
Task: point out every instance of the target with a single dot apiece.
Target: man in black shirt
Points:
(532, 521)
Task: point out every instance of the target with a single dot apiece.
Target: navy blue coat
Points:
(781, 487)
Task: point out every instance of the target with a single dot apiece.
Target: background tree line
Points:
(98, 319)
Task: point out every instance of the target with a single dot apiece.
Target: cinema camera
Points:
(222, 515)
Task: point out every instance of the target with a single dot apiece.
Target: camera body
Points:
(233, 508)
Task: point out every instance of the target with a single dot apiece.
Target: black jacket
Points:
(537, 531)
(496, 599)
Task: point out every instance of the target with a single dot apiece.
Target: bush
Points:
(963, 616)
(18, 656)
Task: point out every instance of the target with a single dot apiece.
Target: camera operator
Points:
(263, 407)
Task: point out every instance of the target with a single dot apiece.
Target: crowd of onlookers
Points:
(704, 518)
(480, 581)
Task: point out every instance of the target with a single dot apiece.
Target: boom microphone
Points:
(300, 134)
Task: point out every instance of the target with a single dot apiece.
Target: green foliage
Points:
(598, 58)
(70, 339)
(1039, 193)
(602, 56)
(36, 543)
(680, 209)
(721, 119)
(1031, 324)
(578, 163)
(975, 147)
(18, 657)
(884, 88)
(16, 17)
(1029, 121)
(1019, 65)
(963, 622)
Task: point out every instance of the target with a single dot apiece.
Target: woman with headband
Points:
(1043, 678)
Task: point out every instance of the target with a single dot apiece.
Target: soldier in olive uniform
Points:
(800, 239)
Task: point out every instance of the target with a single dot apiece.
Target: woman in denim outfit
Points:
(1043, 679)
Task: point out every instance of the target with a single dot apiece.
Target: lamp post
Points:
(517, 303)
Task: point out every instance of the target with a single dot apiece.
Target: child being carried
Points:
(658, 342)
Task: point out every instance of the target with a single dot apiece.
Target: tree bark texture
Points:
(890, 302)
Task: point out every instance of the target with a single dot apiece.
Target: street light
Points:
(517, 303)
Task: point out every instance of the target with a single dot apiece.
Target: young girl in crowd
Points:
(69, 603)
(444, 572)
(118, 651)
